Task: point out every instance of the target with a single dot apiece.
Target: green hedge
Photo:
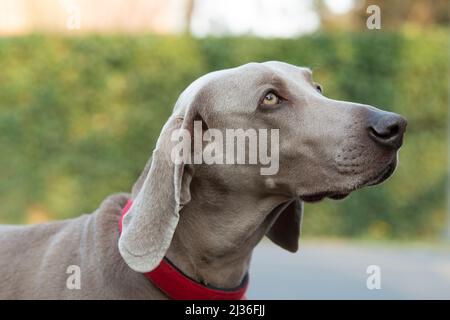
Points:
(79, 117)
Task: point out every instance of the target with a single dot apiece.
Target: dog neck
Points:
(217, 231)
(214, 240)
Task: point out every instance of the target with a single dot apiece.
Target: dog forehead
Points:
(244, 77)
(289, 71)
(268, 71)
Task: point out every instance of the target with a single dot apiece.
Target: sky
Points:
(264, 18)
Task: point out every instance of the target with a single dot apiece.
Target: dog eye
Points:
(318, 87)
(271, 99)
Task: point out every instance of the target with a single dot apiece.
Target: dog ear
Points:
(158, 196)
(286, 229)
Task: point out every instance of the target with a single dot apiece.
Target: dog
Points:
(199, 223)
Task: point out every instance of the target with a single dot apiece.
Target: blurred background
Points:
(81, 82)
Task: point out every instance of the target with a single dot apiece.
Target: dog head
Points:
(317, 147)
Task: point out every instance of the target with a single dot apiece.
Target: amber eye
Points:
(271, 99)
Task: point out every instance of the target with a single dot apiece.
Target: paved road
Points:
(337, 270)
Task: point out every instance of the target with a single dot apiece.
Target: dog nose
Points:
(387, 129)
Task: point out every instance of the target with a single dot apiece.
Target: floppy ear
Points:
(158, 196)
(286, 229)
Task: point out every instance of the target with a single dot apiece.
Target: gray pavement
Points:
(338, 270)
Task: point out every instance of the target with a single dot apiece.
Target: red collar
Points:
(176, 285)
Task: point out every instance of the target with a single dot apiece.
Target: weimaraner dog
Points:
(206, 219)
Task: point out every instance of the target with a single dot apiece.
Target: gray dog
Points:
(206, 219)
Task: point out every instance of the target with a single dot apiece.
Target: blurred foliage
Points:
(79, 117)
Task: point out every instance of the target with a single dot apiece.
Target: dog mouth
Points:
(315, 197)
(377, 179)
(383, 175)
